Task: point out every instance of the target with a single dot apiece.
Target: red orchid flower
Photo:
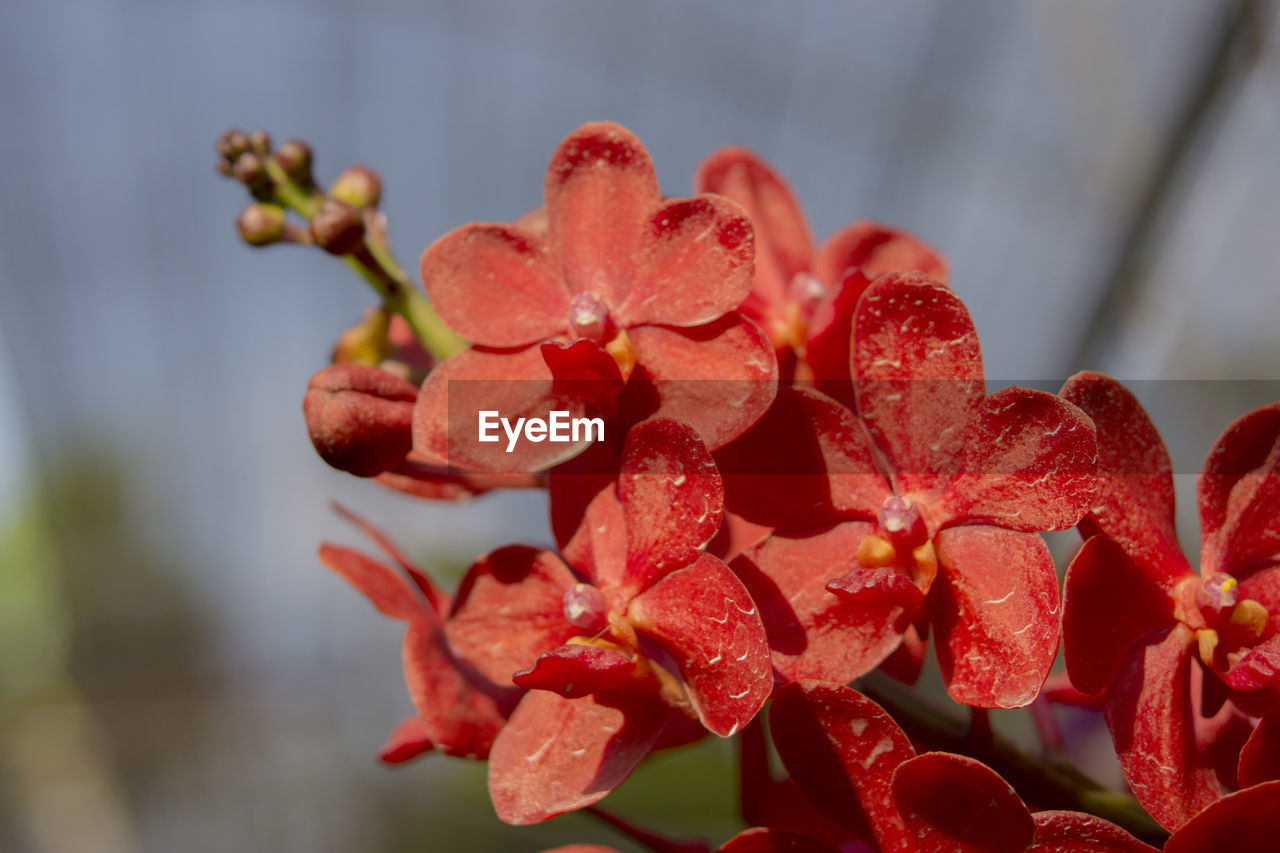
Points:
(857, 767)
(623, 292)
(1139, 620)
(458, 713)
(659, 631)
(947, 537)
(804, 298)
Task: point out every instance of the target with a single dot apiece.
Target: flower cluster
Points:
(801, 480)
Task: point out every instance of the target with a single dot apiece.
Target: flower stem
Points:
(1048, 784)
(645, 837)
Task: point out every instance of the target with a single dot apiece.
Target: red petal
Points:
(1150, 716)
(508, 610)
(762, 840)
(804, 462)
(874, 249)
(955, 804)
(460, 717)
(1134, 501)
(360, 418)
(1030, 464)
(582, 848)
(584, 370)
(882, 587)
(997, 617)
(783, 244)
(514, 384)
(390, 591)
(695, 267)
(907, 661)
(812, 632)
(1257, 668)
(1239, 493)
(918, 374)
(600, 191)
(409, 740)
(556, 755)
(1108, 604)
(703, 617)
(1058, 689)
(827, 348)
(1260, 758)
(586, 515)
(1075, 832)
(577, 670)
(672, 499)
(842, 750)
(438, 599)
(496, 285)
(1247, 820)
(718, 378)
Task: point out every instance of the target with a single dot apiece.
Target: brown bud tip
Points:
(249, 170)
(360, 418)
(337, 227)
(260, 142)
(232, 144)
(262, 224)
(294, 157)
(358, 186)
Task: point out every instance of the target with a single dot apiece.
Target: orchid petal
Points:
(1239, 491)
(1260, 757)
(390, 591)
(1076, 832)
(1245, 820)
(956, 804)
(407, 741)
(765, 840)
(873, 249)
(578, 670)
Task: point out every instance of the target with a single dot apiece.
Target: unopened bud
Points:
(250, 171)
(294, 157)
(360, 418)
(367, 341)
(260, 143)
(337, 227)
(262, 224)
(232, 144)
(358, 186)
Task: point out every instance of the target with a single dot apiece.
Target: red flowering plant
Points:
(790, 475)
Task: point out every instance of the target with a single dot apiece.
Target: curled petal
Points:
(696, 264)
(435, 596)
(805, 462)
(508, 610)
(1257, 668)
(1260, 757)
(1149, 713)
(1245, 820)
(873, 249)
(586, 515)
(703, 617)
(917, 371)
(1030, 464)
(360, 418)
(577, 670)
(600, 191)
(1109, 602)
(784, 246)
(390, 591)
(1239, 491)
(718, 378)
(1134, 500)
(997, 618)
(408, 740)
(496, 285)
(556, 754)
(583, 370)
(842, 750)
(1076, 832)
(672, 499)
(955, 804)
(812, 632)
(462, 717)
(511, 384)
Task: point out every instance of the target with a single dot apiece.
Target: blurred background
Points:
(177, 672)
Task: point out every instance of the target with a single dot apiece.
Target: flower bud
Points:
(260, 143)
(360, 418)
(262, 224)
(358, 187)
(294, 157)
(249, 170)
(232, 144)
(337, 227)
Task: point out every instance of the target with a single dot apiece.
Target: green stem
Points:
(1048, 784)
